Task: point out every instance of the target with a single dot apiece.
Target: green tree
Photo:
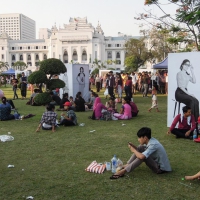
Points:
(99, 64)
(95, 71)
(137, 53)
(187, 18)
(20, 65)
(4, 66)
(48, 68)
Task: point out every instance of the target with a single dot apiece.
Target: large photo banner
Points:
(183, 84)
(76, 80)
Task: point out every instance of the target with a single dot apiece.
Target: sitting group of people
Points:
(127, 111)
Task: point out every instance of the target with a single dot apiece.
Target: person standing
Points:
(111, 84)
(14, 83)
(23, 85)
(98, 82)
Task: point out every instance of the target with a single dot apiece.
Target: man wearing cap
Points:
(69, 119)
(111, 84)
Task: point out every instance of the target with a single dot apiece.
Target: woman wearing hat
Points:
(69, 118)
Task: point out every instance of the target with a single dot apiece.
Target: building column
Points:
(33, 59)
(25, 58)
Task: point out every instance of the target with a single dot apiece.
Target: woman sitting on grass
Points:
(48, 121)
(5, 110)
(111, 105)
(79, 103)
(125, 111)
(97, 108)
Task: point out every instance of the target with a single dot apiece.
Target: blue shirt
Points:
(5, 105)
(156, 151)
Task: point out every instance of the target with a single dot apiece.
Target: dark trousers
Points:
(128, 91)
(15, 93)
(110, 91)
(188, 100)
(23, 92)
(98, 86)
(180, 133)
(66, 122)
(145, 90)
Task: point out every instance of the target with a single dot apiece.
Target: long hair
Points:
(184, 61)
(4, 100)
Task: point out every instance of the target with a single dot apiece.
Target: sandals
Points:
(116, 176)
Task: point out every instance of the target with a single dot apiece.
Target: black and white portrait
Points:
(81, 80)
(183, 84)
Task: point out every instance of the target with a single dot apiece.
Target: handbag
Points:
(106, 92)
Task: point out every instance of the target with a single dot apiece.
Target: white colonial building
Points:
(76, 42)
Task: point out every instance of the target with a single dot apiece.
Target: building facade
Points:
(18, 26)
(77, 42)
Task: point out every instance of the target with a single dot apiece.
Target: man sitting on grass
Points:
(149, 151)
(186, 124)
(48, 121)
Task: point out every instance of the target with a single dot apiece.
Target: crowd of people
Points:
(149, 151)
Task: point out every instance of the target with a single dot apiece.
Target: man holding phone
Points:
(149, 151)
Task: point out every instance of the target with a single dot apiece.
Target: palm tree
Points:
(99, 64)
(4, 66)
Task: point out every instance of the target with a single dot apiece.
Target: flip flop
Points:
(115, 176)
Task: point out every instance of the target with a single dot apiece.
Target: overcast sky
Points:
(113, 15)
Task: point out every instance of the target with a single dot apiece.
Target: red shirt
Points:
(182, 124)
(129, 83)
(134, 108)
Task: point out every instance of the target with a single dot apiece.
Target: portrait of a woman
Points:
(182, 93)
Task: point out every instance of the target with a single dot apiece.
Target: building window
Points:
(75, 55)
(36, 57)
(109, 45)
(84, 56)
(45, 47)
(21, 57)
(13, 48)
(118, 62)
(13, 57)
(29, 57)
(29, 47)
(20, 48)
(44, 57)
(109, 55)
(36, 47)
(2, 48)
(118, 55)
(65, 57)
(2, 56)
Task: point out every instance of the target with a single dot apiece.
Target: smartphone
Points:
(132, 145)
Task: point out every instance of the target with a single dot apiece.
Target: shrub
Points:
(43, 98)
(52, 66)
(55, 83)
(37, 77)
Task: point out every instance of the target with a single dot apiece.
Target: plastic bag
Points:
(5, 138)
(106, 92)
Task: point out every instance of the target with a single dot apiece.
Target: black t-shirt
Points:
(56, 99)
(80, 104)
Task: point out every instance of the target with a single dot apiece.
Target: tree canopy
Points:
(186, 20)
(20, 65)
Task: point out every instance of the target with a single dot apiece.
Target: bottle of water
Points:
(114, 164)
(195, 134)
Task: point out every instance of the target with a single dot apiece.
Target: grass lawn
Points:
(54, 163)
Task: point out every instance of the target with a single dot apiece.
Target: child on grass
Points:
(154, 100)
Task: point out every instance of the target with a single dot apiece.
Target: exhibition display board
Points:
(183, 84)
(76, 80)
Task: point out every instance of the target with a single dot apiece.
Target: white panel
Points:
(174, 63)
